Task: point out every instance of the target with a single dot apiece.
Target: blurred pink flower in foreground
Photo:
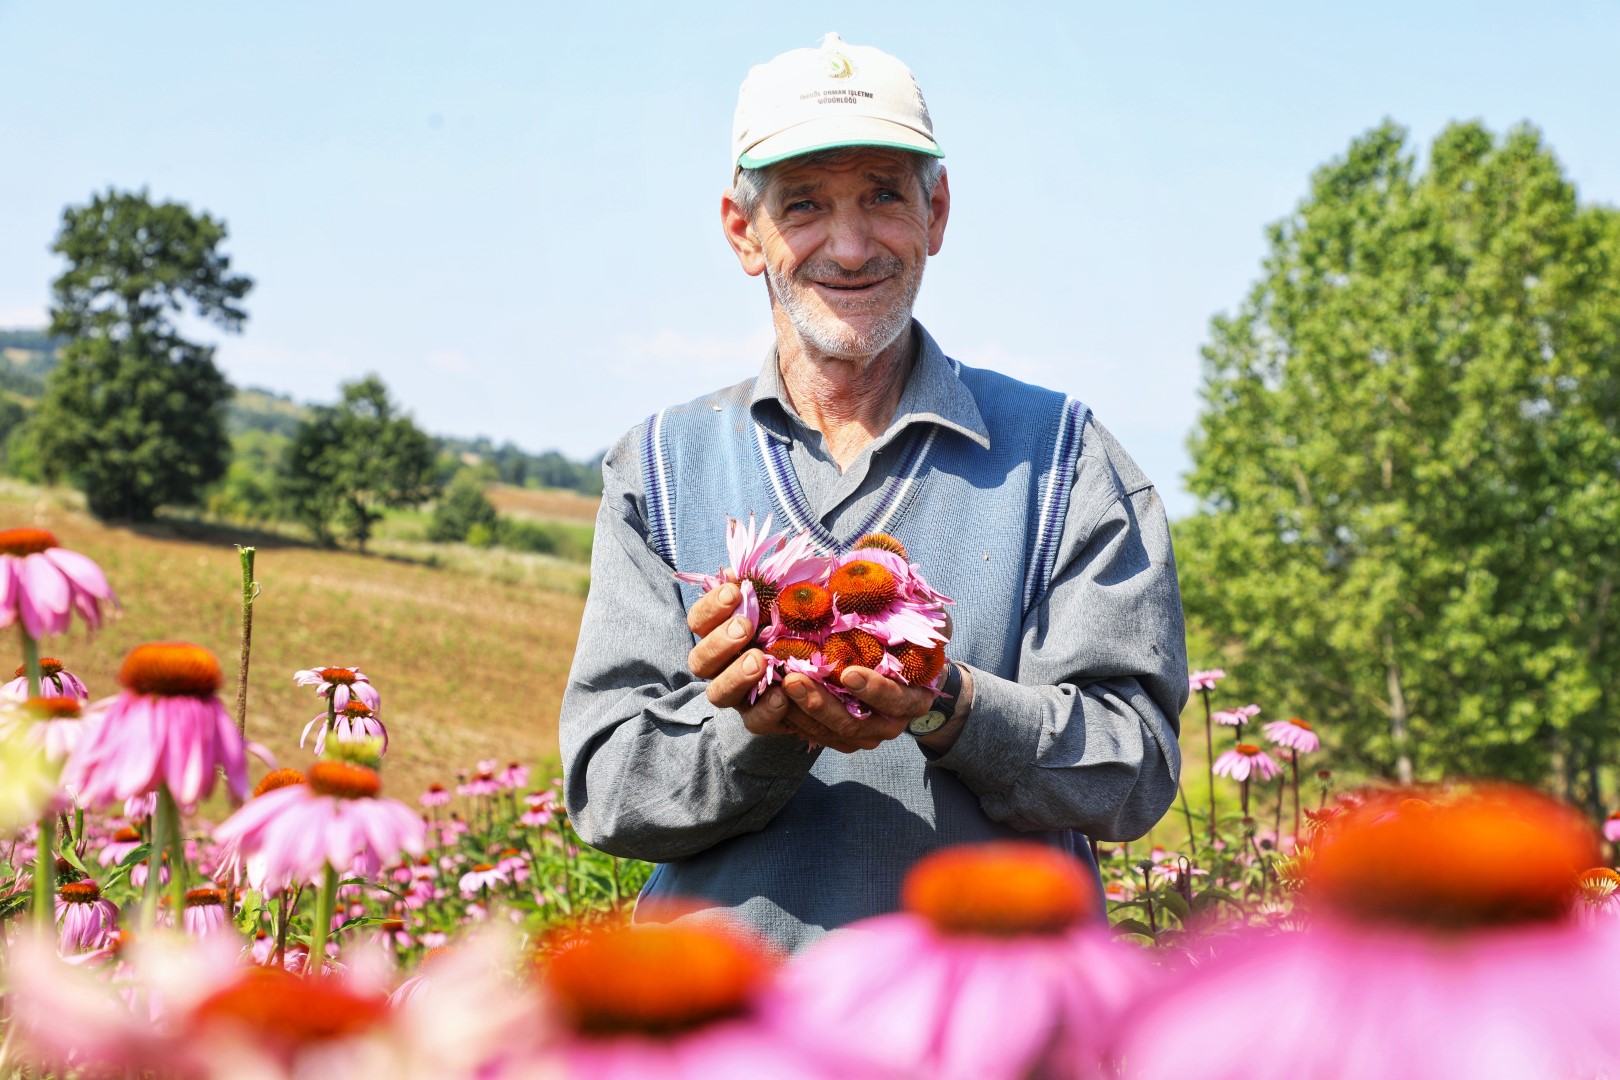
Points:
(83, 916)
(289, 835)
(1441, 945)
(1001, 963)
(55, 681)
(656, 1000)
(1205, 680)
(1245, 762)
(166, 728)
(43, 584)
(344, 684)
(1294, 733)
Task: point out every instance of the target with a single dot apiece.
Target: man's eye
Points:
(802, 206)
(889, 196)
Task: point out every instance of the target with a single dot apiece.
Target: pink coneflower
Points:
(1236, 717)
(1441, 945)
(484, 783)
(434, 796)
(355, 722)
(293, 833)
(55, 682)
(205, 913)
(342, 685)
(167, 728)
(480, 877)
(1294, 733)
(288, 1025)
(57, 724)
(123, 842)
(1001, 961)
(675, 1000)
(515, 775)
(1611, 828)
(1246, 761)
(83, 916)
(541, 806)
(43, 584)
(1204, 680)
(760, 565)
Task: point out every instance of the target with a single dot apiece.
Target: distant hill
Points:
(28, 356)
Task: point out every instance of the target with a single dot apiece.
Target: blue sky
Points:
(510, 211)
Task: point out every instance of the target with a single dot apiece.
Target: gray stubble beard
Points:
(825, 333)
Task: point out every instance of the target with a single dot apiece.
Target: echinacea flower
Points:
(205, 913)
(124, 841)
(760, 565)
(1246, 761)
(1294, 733)
(355, 722)
(55, 681)
(1441, 944)
(1611, 828)
(268, 1022)
(434, 796)
(1235, 717)
(167, 728)
(43, 584)
(672, 1000)
(1001, 962)
(481, 877)
(83, 915)
(56, 723)
(541, 807)
(290, 835)
(484, 783)
(1204, 680)
(341, 684)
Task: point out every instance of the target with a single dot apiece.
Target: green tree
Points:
(1407, 465)
(135, 414)
(463, 508)
(349, 462)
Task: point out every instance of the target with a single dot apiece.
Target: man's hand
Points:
(798, 706)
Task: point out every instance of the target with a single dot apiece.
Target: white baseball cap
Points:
(827, 97)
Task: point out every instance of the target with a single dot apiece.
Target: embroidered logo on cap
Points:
(838, 66)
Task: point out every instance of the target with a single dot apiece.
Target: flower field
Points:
(317, 893)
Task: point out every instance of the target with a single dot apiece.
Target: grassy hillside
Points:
(470, 655)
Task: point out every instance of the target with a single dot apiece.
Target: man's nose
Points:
(849, 238)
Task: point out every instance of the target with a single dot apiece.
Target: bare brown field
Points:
(544, 503)
(470, 660)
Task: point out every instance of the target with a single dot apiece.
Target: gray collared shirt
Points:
(1083, 738)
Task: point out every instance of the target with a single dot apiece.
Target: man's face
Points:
(843, 247)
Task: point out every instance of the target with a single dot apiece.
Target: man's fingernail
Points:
(738, 629)
(751, 665)
(728, 595)
(797, 691)
(854, 680)
(775, 700)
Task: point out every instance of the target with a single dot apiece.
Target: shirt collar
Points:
(934, 394)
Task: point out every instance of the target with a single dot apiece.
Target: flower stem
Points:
(45, 874)
(325, 901)
(250, 593)
(45, 841)
(177, 857)
(1294, 759)
(1209, 762)
(157, 832)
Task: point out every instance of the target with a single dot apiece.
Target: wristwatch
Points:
(944, 706)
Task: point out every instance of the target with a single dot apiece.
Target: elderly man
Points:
(1057, 716)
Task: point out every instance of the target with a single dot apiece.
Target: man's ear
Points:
(939, 210)
(741, 236)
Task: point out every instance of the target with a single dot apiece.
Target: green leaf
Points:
(1132, 926)
(1174, 903)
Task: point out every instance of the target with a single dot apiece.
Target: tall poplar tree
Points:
(1408, 465)
(134, 413)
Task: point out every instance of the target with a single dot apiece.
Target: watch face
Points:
(927, 723)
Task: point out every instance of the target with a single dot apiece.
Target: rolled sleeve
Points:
(651, 769)
(1085, 736)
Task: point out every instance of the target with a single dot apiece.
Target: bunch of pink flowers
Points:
(822, 615)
